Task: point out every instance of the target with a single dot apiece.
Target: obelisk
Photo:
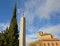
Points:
(22, 32)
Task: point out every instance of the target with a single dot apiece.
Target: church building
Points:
(45, 39)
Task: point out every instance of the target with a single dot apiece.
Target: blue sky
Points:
(41, 15)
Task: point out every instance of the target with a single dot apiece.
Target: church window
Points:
(40, 44)
(52, 44)
(48, 44)
(56, 44)
(44, 44)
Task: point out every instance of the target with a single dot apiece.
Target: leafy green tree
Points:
(3, 39)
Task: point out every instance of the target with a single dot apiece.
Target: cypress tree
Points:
(13, 30)
(10, 36)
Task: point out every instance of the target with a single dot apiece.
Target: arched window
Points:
(44, 44)
(56, 44)
(40, 45)
(52, 44)
(48, 44)
(37, 44)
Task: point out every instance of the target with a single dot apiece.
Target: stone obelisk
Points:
(22, 32)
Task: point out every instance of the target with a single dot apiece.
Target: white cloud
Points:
(42, 9)
(39, 8)
(48, 7)
(55, 30)
(31, 38)
(3, 26)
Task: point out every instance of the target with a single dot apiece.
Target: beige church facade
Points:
(45, 39)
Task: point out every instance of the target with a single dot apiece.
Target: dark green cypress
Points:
(13, 30)
(10, 36)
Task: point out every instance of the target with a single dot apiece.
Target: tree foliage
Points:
(13, 30)
(10, 36)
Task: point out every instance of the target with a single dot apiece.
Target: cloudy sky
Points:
(41, 15)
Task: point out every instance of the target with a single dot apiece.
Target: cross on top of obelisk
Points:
(23, 13)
